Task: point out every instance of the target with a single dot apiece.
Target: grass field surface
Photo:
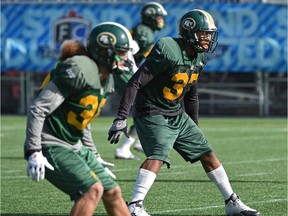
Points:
(252, 150)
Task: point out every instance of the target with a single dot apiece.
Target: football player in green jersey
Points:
(168, 76)
(121, 77)
(58, 143)
(152, 20)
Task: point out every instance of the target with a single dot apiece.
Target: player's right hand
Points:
(118, 128)
(103, 162)
(110, 172)
(36, 166)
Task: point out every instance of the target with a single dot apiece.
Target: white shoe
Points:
(235, 206)
(138, 146)
(127, 155)
(137, 209)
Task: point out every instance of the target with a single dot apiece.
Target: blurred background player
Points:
(152, 20)
(121, 77)
(58, 143)
(168, 76)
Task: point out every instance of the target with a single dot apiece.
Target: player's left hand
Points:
(119, 127)
(36, 166)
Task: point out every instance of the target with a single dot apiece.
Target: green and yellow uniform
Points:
(78, 80)
(168, 76)
(174, 73)
(144, 36)
(70, 97)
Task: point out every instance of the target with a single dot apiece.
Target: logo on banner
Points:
(69, 27)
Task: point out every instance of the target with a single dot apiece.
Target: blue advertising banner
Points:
(252, 37)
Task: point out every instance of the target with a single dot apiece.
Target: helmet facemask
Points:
(122, 62)
(204, 41)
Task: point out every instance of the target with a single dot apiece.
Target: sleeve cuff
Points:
(30, 152)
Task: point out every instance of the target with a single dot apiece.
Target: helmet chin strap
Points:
(196, 44)
(125, 66)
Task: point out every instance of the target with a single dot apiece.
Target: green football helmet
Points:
(149, 14)
(105, 40)
(194, 21)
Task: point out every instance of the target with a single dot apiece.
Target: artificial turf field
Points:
(252, 150)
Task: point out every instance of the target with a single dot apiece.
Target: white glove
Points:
(110, 172)
(36, 166)
(104, 163)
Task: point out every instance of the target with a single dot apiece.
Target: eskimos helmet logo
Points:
(188, 23)
(106, 39)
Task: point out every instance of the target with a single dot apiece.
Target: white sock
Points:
(220, 178)
(144, 181)
(126, 144)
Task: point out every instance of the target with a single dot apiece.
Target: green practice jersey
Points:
(174, 73)
(77, 78)
(121, 80)
(144, 36)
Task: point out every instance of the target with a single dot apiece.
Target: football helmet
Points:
(198, 20)
(105, 40)
(149, 14)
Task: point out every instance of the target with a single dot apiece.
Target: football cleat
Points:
(137, 208)
(138, 146)
(126, 155)
(235, 207)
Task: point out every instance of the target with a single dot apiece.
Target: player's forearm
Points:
(191, 103)
(87, 139)
(127, 101)
(46, 102)
(137, 81)
(193, 110)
